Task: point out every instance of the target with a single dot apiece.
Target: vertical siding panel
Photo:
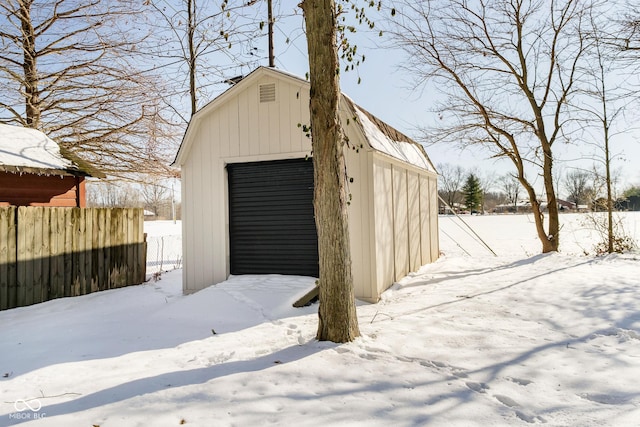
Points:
(253, 120)
(413, 200)
(425, 223)
(433, 218)
(199, 229)
(220, 131)
(383, 217)
(274, 142)
(210, 208)
(244, 136)
(186, 187)
(284, 118)
(196, 216)
(264, 136)
(400, 222)
(219, 207)
(305, 117)
(355, 216)
(190, 185)
(359, 218)
(232, 128)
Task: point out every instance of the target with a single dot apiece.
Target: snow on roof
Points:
(387, 140)
(29, 150)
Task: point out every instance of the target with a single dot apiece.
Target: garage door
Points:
(271, 223)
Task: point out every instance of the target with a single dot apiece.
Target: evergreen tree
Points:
(472, 193)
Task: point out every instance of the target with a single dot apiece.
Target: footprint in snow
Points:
(523, 415)
(455, 371)
(477, 387)
(520, 381)
(506, 400)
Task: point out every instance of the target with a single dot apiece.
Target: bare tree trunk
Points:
(31, 93)
(191, 28)
(338, 320)
(551, 239)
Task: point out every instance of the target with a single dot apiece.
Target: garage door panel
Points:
(271, 223)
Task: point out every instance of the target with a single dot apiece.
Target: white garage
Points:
(247, 190)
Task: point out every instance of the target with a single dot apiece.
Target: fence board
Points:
(87, 220)
(37, 255)
(106, 253)
(96, 279)
(46, 255)
(57, 236)
(68, 252)
(8, 285)
(55, 252)
(25, 276)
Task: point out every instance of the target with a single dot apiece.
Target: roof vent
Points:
(268, 92)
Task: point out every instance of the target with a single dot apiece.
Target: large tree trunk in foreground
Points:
(338, 320)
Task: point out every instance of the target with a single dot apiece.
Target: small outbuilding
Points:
(35, 171)
(247, 190)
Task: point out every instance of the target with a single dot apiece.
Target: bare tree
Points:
(508, 69)
(154, 195)
(113, 194)
(576, 184)
(338, 320)
(450, 181)
(511, 188)
(196, 47)
(609, 93)
(68, 68)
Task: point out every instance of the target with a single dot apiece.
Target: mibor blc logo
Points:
(27, 410)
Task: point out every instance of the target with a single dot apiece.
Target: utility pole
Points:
(272, 59)
(173, 204)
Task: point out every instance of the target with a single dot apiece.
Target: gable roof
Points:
(380, 136)
(25, 150)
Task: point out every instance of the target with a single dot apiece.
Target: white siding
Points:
(400, 222)
(425, 220)
(413, 200)
(404, 220)
(359, 211)
(383, 227)
(434, 235)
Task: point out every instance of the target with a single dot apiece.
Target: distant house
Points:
(35, 171)
(247, 190)
(566, 205)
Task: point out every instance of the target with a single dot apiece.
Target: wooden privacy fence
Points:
(48, 253)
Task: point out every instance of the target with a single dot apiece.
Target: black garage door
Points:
(271, 224)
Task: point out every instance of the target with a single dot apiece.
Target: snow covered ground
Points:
(471, 340)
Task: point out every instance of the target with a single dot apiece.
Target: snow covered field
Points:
(472, 340)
